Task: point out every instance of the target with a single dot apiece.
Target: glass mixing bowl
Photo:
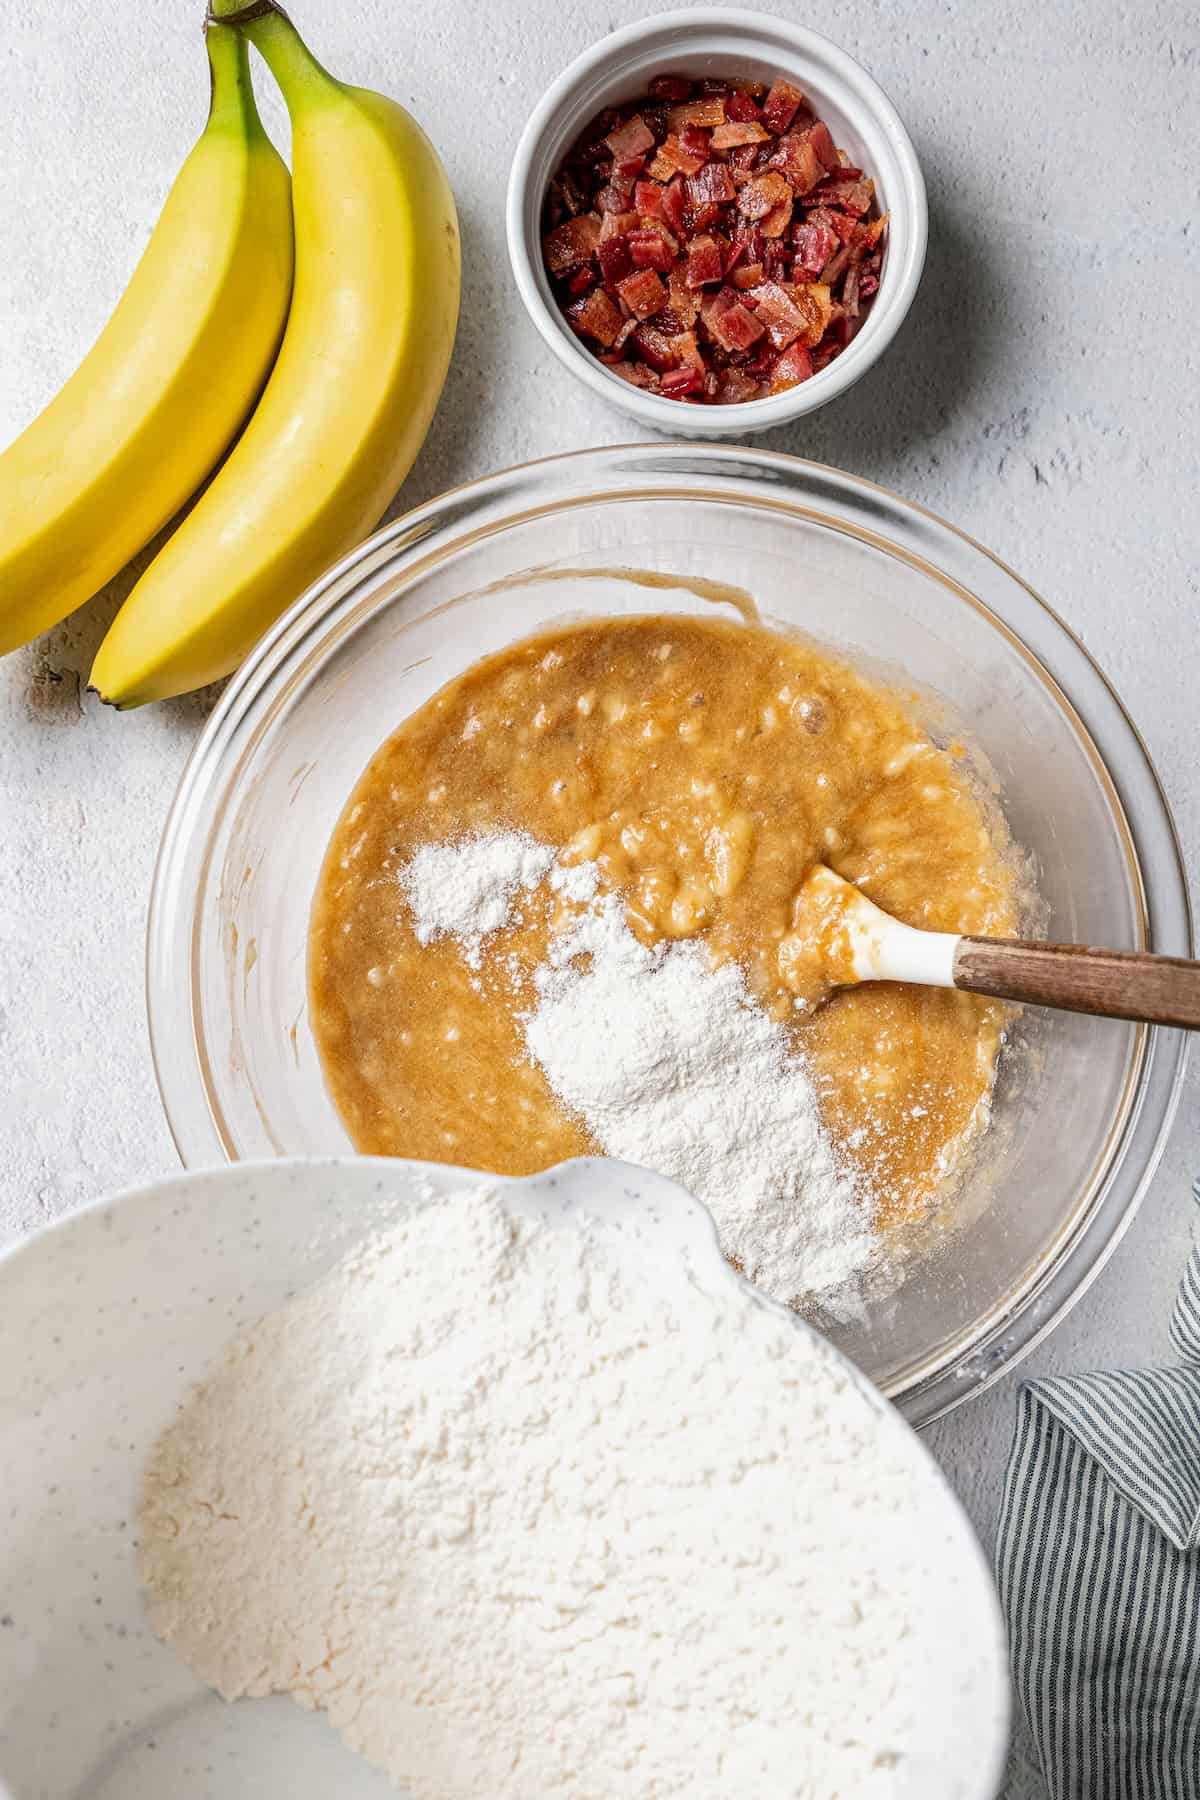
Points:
(1082, 1105)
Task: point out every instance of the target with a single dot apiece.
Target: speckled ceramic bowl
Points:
(105, 1322)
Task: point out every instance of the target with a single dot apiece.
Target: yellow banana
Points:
(170, 379)
(349, 402)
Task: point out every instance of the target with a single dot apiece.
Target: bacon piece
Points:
(850, 196)
(698, 142)
(632, 137)
(777, 312)
(685, 303)
(610, 199)
(743, 108)
(671, 87)
(815, 242)
(747, 246)
(636, 374)
(737, 387)
(796, 158)
(776, 222)
(729, 137)
(571, 243)
(780, 106)
(643, 293)
(617, 225)
(674, 206)
(705, 262)
(761, 194)
(709, 111)
(713, 185)
(743, 160)
(687, 350)
(732, 325)
(818, 136)
(748, 277)
(678, 382)
(615, 260)
(850, 292)
(674, 158)
(790, 369)
(648, 199)
(652, 247)
(654, 347)
(595, 316)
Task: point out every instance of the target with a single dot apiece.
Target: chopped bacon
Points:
(736, 387)
(709, 111)
(631, 138)
(678, 382)
(685, 303)
(851, 196)
(652, 247)
(781, 105)
(636, 373)
(705, 263)
(710, 243)
(674, 158)
(762, 194)
(743, 159)
(615, 260)
(654, 347)
(648, 199)
(698, 141)
(643, 293)
(671, 87)
(743, 108)
(778, 314)
(571, 243)
(790, 369)
(674, 206)
(796, 158)
(815, 242)
(712, 186)
(730, 137)
(616, 225)
(597, 317)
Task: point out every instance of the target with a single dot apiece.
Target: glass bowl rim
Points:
(464, 514)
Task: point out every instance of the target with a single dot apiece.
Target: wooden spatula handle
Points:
(1117, 984)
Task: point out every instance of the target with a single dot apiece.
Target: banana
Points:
(170, 379)
(350, 399)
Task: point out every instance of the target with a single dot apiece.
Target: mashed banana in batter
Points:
(705, 766)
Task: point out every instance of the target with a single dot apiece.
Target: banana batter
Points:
(705, 766)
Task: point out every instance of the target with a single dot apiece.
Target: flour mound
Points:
(669, 1063)
(466, 888)
(536, 1513)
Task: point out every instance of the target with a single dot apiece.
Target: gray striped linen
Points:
(1098, 1564)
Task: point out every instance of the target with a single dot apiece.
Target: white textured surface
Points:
(1044, 395)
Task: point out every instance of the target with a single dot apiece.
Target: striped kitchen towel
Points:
(1098, 1562)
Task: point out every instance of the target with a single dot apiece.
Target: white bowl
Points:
(107, 1320)
(723, 41)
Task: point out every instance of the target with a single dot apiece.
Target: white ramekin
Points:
(723, 41)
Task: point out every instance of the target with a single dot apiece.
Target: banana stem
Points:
(274, 36)
(232, 107)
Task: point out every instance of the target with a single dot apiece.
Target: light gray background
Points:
(1043, 395)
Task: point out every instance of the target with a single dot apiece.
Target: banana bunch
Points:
(367, 327)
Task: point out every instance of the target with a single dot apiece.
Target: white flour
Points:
(550, 1511)
(466, 889)
(669, 1064)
